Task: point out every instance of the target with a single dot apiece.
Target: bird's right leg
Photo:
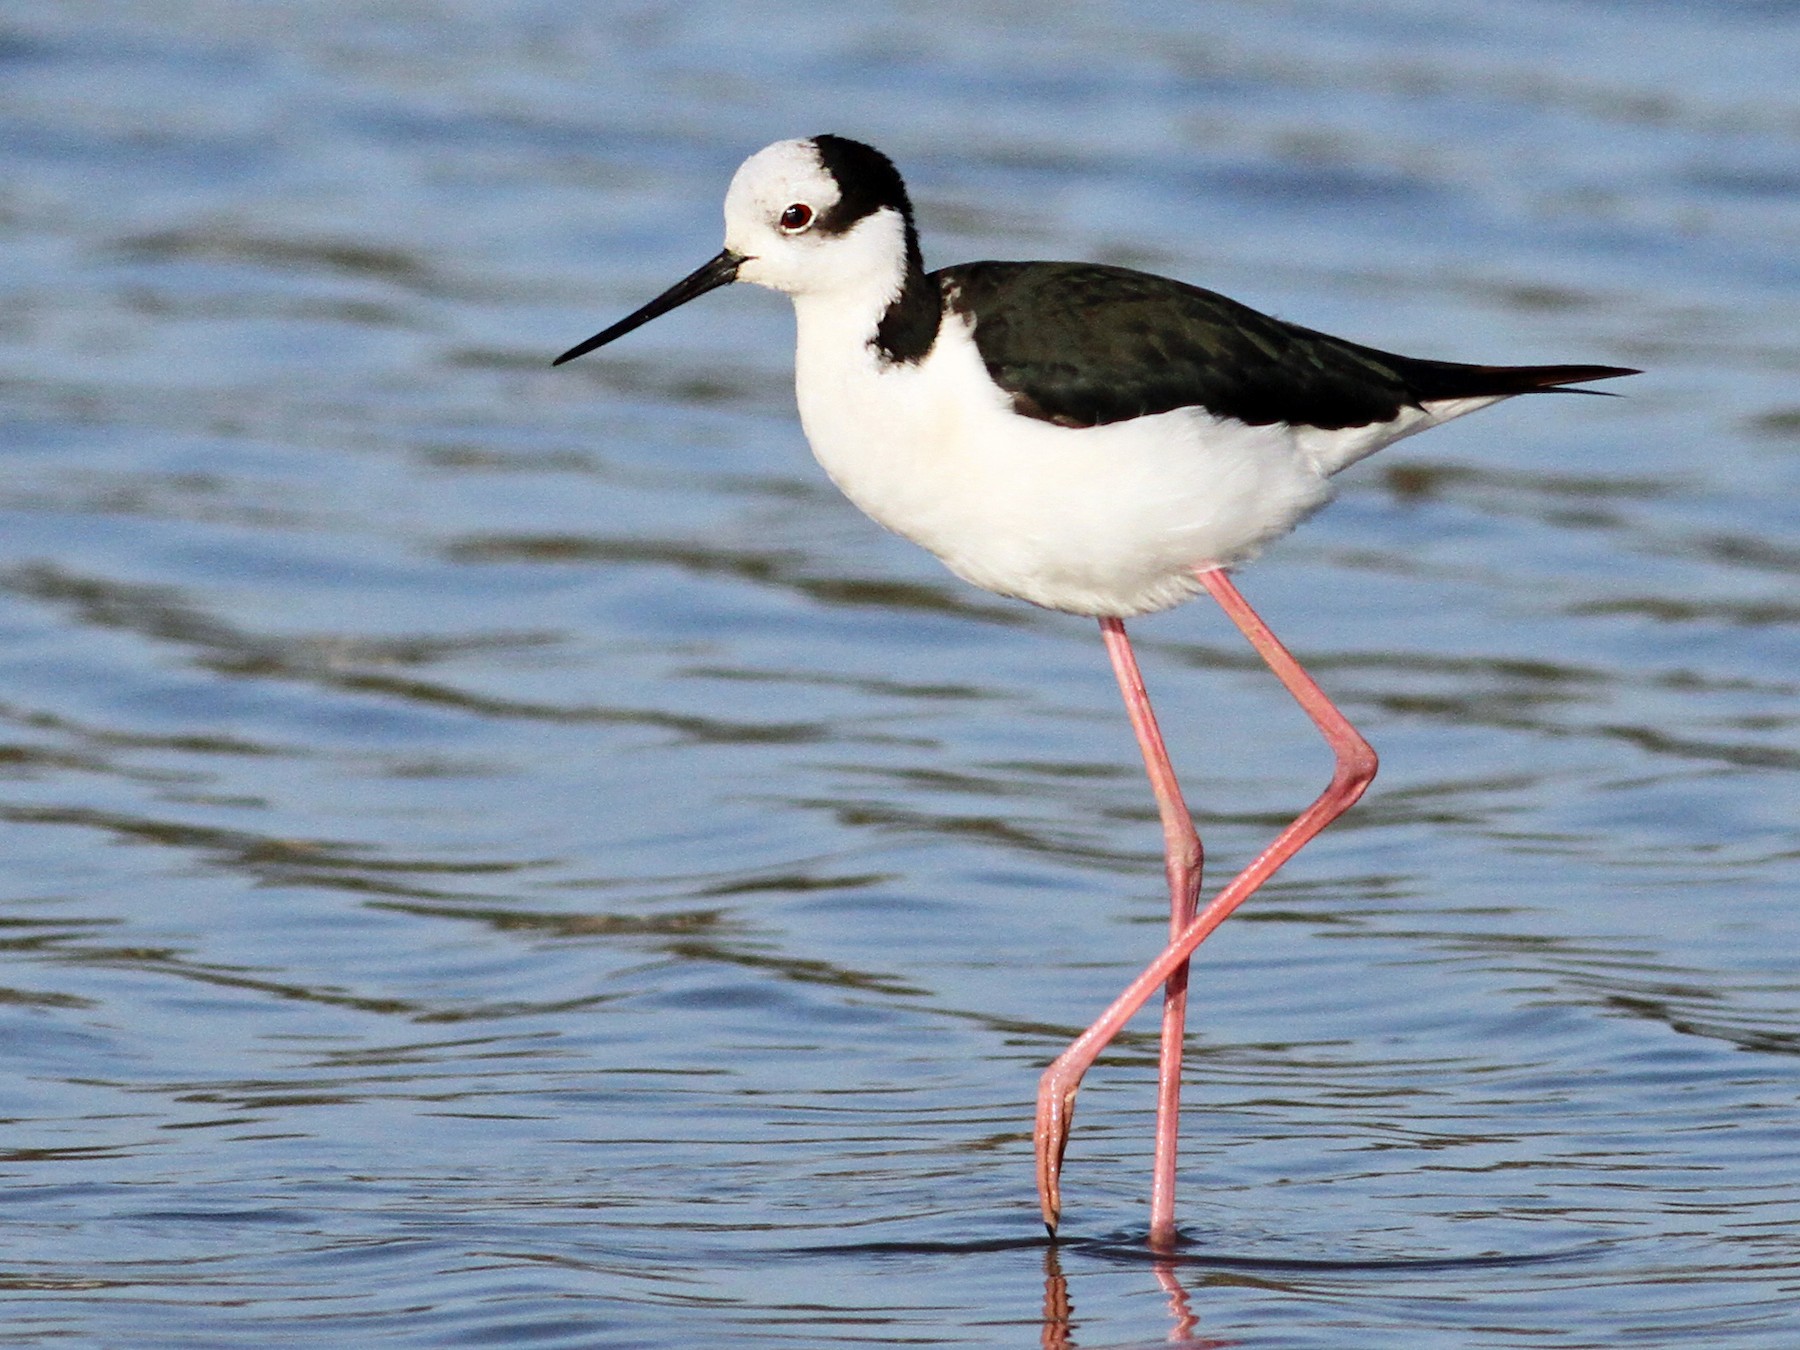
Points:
(1353, 770)
(1183, 858)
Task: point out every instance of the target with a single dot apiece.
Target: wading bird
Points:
(1094, 440)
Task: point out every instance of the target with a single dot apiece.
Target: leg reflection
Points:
(1059, 1308)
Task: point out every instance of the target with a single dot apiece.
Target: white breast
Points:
(1100, 520)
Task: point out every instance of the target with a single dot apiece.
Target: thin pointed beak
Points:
(721, 271)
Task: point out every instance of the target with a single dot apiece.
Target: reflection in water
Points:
(1177, 1273)
(1059, 1308)
(1180, 1312)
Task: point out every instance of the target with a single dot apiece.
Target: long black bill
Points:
(721, 271)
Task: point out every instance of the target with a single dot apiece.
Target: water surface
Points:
(501, 856)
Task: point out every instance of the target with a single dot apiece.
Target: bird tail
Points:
(1442, 390)
(1449, 379)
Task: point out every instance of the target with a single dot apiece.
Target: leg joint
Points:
(1356, 766)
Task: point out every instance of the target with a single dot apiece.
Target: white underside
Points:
(1110, 520)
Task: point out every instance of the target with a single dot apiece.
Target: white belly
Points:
(1101, 520)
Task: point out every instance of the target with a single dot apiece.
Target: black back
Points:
(1082, 344)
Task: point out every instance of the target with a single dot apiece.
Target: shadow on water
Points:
(1134, 1250)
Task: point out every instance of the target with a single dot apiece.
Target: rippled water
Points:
(499, 856)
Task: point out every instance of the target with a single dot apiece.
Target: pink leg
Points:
(1355, 767)
(1182, 857)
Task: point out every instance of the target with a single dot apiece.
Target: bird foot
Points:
(1055, 1115)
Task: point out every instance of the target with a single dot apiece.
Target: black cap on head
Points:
(867, 181)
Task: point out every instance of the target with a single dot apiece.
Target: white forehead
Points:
(777, 176)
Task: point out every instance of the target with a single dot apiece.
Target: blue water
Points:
(500, 856)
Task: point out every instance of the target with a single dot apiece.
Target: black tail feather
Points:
(1448, 379)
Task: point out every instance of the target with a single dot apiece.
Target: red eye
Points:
(796, 218)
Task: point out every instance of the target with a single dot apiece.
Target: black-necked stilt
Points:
(1090, 439)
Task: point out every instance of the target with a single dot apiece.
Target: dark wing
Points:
(1082, 344)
